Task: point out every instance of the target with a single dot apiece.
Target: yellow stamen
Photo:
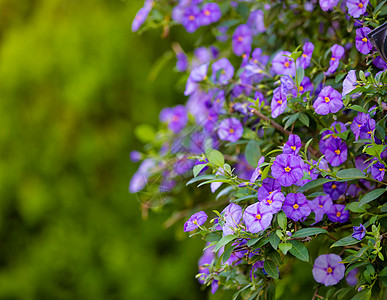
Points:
(270, 193)
(381, 169)
(191, 17)
(286, 65)
(287, 169)
(329, 270)
(333, 59)
(269, 201)
(321, 206)
(369, 132)
(327, 99)
(258, 216)
(335, 136)
(337, 151)
(296, 206)
(338, 214)
(279, 101)
(293, 148)
(255, 61)
(359, 125)
(360, 5)
(207, 12)
(300, 88)
(334, 186)
(240, 38)
(365, 40)
(231, 130)
(304, 55)
(243, 55)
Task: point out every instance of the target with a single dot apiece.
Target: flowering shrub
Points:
(285, 120)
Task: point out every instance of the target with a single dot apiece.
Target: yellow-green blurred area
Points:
(74, 83)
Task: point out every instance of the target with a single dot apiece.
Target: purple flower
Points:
(222, 71)
(279, 102)
(257, 217)
(313, 173)
(274, 201)
(230, 130)
(282, 65)
(377, 170)
(335, 189)
(363, 45)
(293, 145)
(287, 169)
(140, 178)
(359, 232)
(135, 156)
(305, 86)
(328, 269)
(337, 53)
(182, 62)
(367, 128)
(191, 18)
(257, 172)
(337, 213)
(232, 214)
(336, 152)
(242, 40)
(176, 118)
(320, 205)
(210, 13)
(349, 83)
(357, 7)
(358, 123)
(304, 60)
(269, 185)
(255, 22)
(195, 221)
(328, 101)
(379, 63)
(338, 127)
(140, 18)
(328, 4)
(199, 73)
(352, 277)
(296, 207)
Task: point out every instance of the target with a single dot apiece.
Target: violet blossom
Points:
(335, 189)
(195, 221)
(359, 232)
(338, 213)
(363, 45)
(328, 269)
(283, 65)
(296, 207)
(287, 169)
(328, 101)
(356, 8)
(337, 53)
(257, 217)
(269, 185)
(242, 40)
(293, 145)
(222, 71)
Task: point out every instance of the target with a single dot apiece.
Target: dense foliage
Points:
(285, 121)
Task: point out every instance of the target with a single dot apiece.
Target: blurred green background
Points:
(74, 83)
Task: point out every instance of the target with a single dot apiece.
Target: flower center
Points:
(231, 130)
(287, 169)
(338, 214)
(258, 216)
(293, 148)
(335, 136)
(327, 99)
(296, 206)
(175, 118)
(191, 18)
(240, 38)
(300, 88)
(270, 193)
(334, 186)
(286, 65)
(255, 61)
(304, 55)
(279, 101)
(269, 201)
(195, 222)
(360, 5)
(329, 270)
(333, 59)
(244, 55)
(364, 40)
(337, 151)
(207, 12)
(381, 169)
(321, 206)
(359, 125)
(369, 132)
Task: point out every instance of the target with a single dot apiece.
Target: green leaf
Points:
(291, 120)
(253, 153)
(253, 241)
(248, 197)
(304, 232)
(296, 55)
(215, 157)
(271, 269)
(354, 266)
(313, 184)
(265, 172)
(261, 243)
(224, 241)
(274, 240)
(304, 119)
(282, 220)
(354, 207)
(299, 250)
(374, 150)
(198, 168)
(227, 253)
(371, 196)
(348, 240)
(199, 178)
(145, 133)
(339, 77)
(352, 173)
(300, 75)
(285, 247)
(275, 257)
(377, 8)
